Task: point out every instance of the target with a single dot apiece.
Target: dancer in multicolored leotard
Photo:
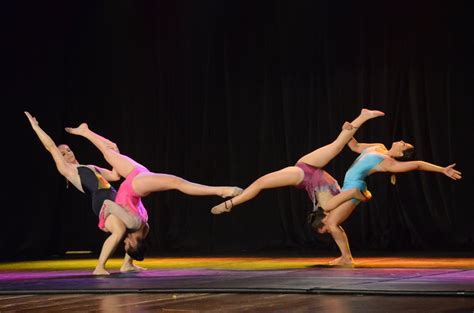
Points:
(94, 181)
(373, 158)
(140, 182)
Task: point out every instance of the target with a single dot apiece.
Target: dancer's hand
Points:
(32, 119)
(451, 172)
(112, 145)
(347, 126)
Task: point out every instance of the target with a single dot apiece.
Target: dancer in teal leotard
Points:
(374, 158)
(360, 169)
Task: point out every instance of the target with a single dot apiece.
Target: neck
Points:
(392, 153)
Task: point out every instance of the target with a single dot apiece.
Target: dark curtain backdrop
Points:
(222, 92)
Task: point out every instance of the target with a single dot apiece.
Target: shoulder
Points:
(70, 172)
(92, 167)
(377, 148)
(380, 147)
(395, 166)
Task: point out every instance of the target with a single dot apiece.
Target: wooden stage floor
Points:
(242, 284)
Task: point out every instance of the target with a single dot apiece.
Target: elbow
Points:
(419, 166)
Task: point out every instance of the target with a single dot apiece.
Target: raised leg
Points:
(289, 176)
(322, 156)
(121, 163)
(146, 183)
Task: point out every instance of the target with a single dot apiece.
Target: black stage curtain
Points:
(222, 92)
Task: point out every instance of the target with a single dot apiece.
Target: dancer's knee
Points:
(260, 183)
(175, 182)
(119, 229)
(333, 227)
(107, 207)
(109, 154)
(116, 227)
(257, 185)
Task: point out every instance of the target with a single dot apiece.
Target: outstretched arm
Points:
(358, 147)
(400, 167)
(63, 167)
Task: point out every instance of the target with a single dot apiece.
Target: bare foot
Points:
(230, 192)
(100, 271)
(368, 195)
(363, 196)
(225, 206)
(342, 261)
(77, 130)
(130, 268)
(371, 113)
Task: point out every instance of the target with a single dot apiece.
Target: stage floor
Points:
(306, 275)
(242, 284)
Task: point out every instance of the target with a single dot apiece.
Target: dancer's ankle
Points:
(228, 208)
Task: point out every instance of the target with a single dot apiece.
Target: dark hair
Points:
(315, 219)
(408, 155)
(138, 252)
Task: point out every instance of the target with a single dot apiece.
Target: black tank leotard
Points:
(90, 184)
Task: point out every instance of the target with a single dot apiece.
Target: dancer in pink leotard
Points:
(140, 182)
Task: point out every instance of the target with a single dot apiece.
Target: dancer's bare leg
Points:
(289, 176)
(121, 163)
(322, 156)
(346, 195)
(117, 229)
(145, 183)
(128, 265)
(293, 175)
(333, 225)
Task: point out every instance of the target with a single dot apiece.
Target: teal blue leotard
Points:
(360, 169)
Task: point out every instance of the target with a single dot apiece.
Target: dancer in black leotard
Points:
(96, 183)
